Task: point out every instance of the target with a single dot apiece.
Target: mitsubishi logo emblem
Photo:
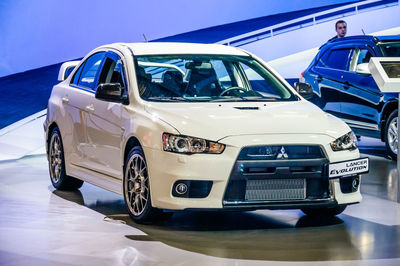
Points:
(282, 154)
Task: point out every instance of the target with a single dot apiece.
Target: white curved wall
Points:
(297, 41)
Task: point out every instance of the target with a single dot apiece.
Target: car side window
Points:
(89, 71)
(338, 59)
(77, 74)
(364, 56)
(112, 71)
(359, 56)
(322, 60)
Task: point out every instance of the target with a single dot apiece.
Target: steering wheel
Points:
(232, 89)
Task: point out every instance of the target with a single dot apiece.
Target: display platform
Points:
(41, 226)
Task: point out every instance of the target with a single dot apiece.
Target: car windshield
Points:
(390, 49)
(207, 78)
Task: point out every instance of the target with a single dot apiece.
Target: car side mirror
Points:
(304, 89)
(363, 69)
(111, 92)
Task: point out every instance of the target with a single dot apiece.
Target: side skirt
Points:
(95, 178)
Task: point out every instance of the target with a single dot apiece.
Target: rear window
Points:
(390, 49)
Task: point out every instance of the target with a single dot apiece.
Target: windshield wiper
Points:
(235, 99)
(244, 98)
(169, 99)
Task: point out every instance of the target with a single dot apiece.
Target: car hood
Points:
(215, 121)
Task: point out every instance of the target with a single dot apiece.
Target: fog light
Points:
(355, 183)
(181, 188)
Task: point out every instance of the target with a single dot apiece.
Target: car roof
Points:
(354, 38)
(157, 48)
(388, 38)
(359, 38)
(365, 38)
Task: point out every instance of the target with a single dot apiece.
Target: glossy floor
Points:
(41, 226)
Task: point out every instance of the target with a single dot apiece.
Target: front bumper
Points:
(307, 203)
(166, 168)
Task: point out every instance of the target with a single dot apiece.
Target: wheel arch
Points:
(130, 143)
(50, 129)
(388, 108)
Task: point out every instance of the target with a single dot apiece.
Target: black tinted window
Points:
(89, 71)
(112, 72)
(335, 59)
(391, 49)
(322, 60)
(338, 59)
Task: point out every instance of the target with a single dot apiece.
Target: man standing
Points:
(341, 29)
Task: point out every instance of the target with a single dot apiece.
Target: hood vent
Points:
(247, 108)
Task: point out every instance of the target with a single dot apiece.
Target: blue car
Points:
(343, 86)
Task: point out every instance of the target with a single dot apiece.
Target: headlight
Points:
(190, 145)
(345, 142)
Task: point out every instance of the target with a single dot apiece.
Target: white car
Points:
(178, 126)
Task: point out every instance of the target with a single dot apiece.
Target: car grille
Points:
(276, 189)
(281, 152)
(278, 173)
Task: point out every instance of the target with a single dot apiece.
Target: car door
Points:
(103, 123)
(361, 98)
(75, 100)
(329, 78)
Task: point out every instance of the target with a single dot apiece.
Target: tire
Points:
(58, 176)
(136, 188)
(391, 136)
(326, 212)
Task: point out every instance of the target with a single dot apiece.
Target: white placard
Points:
(349, 167)
(384, 82)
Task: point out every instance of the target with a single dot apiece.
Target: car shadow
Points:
(257, 235)
(371, 146)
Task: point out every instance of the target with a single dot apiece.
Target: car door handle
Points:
(65, 100)
(319, 78)
(90, 108)
(346, 85)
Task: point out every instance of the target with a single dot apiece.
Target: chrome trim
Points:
(266, 202)
(362, 125)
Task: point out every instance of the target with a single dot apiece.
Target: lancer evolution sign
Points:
(359, 166)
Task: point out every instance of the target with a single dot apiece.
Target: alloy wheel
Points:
(392, 135)
(137, 184)
(55, 158)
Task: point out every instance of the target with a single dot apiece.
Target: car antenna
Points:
(363, 31)
(145, 39)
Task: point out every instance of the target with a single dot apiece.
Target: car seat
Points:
(203, 80)
(173, 81)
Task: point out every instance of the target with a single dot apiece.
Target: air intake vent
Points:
(276, 189)
(247, 108)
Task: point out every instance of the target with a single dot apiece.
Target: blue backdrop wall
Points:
(37, 33)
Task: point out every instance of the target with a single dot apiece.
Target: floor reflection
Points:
(265, 235)
(261, 235)
(371, 146)
(381, 181)
(255, 235)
